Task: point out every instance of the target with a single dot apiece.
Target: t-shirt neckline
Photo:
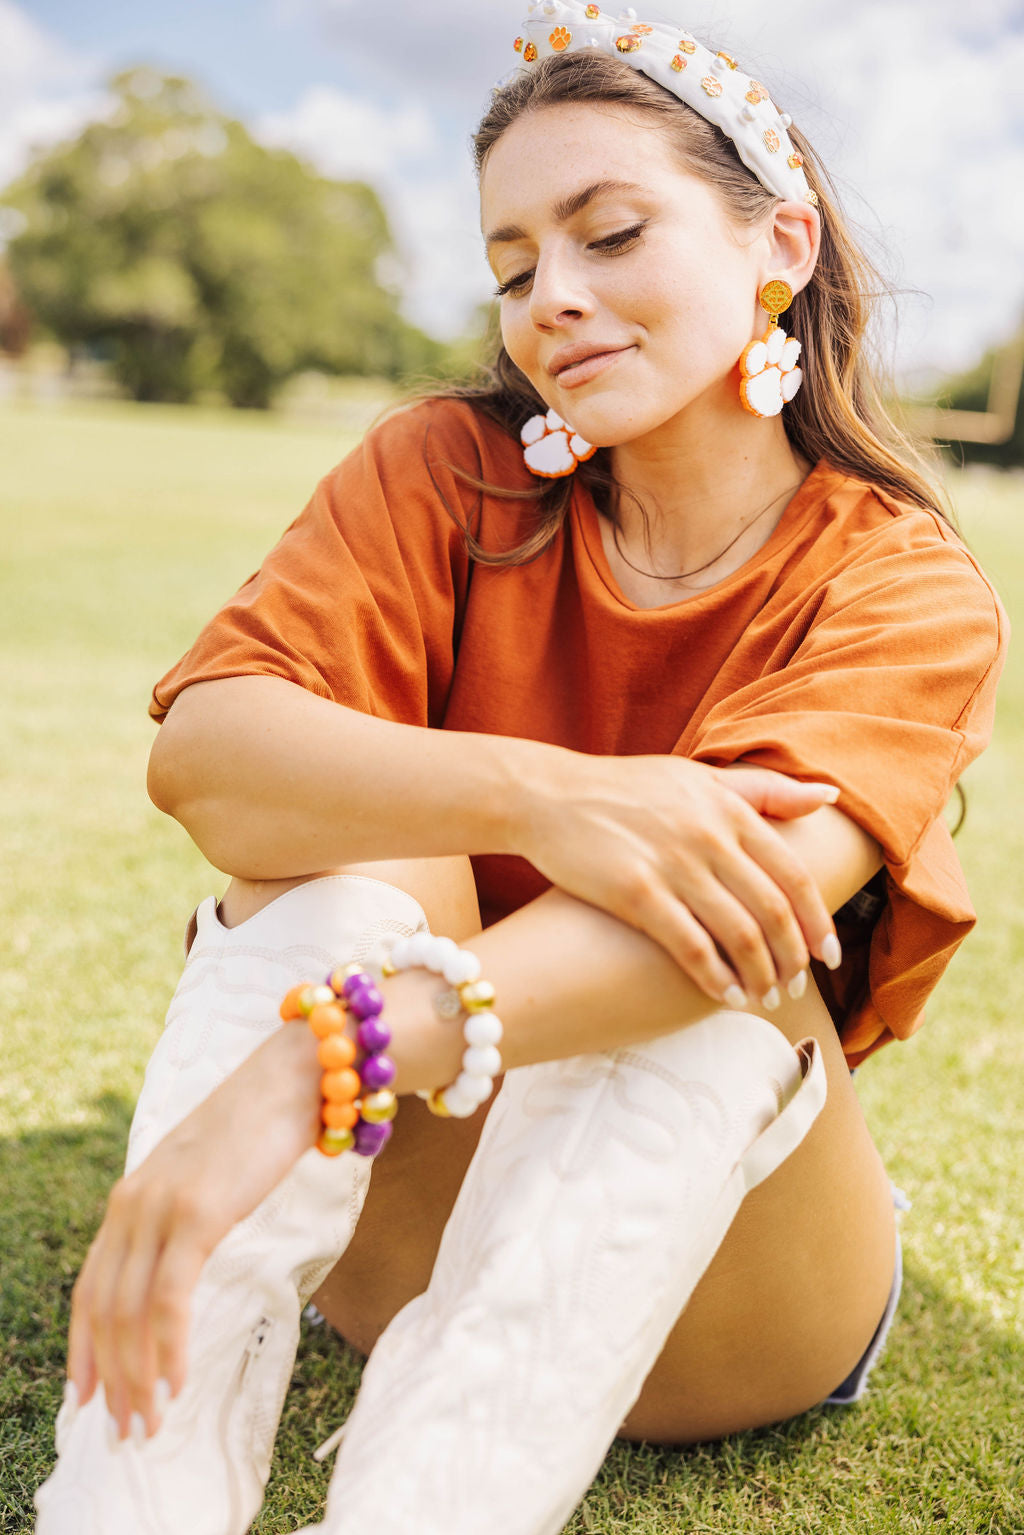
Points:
(588, 522)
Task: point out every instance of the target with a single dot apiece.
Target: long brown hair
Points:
(843, 412)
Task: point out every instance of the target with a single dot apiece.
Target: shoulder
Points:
(446, 433)
(866, 539)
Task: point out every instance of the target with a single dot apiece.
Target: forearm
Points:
(570, 979)
(271, 781)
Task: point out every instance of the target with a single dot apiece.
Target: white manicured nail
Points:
(161, 1396)
(735, 997)
(797, 986)
(831, 952)
(138, 1430)
(113, 1432)
(771, 1000)
(71, 1397)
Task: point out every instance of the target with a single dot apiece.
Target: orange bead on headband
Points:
(711, 83)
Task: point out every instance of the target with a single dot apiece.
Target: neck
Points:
(704, 479)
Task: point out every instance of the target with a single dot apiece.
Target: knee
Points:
(444, 887)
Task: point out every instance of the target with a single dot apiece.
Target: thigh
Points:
(785, 1310)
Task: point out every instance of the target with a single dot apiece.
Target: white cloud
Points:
(425, 182)
(352, 136)
(48, 92)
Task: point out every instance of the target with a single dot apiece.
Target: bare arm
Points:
(568, 977)
(271, 781)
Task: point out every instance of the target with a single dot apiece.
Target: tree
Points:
(168, 240)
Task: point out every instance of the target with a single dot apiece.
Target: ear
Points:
(793, 243)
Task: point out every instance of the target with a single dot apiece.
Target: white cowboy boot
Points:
(600, 1190)
(204, 1471)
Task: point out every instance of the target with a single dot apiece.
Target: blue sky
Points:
(917, 106)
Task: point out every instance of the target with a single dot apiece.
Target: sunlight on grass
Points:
(124, 528)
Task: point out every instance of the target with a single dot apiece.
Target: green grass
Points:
(123, 528)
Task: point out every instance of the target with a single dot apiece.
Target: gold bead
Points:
(334, 1142)
(436, 1104)
(387, 968)
(476, 996)
(380, 1106)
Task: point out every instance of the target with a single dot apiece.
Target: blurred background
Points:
(250, 200)
(229, 234)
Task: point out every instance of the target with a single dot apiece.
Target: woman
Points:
(633, 731)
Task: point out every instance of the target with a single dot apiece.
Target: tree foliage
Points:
(167, 239)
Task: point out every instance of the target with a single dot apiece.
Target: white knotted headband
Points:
(711, 83)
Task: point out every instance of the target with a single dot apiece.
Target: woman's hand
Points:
(682, 851)
(130, 1304)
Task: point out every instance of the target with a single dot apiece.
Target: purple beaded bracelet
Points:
(359, 1106)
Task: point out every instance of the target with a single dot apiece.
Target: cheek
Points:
(518, 336)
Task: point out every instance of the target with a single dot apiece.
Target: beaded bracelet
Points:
(482, 1029)
(358, 1104)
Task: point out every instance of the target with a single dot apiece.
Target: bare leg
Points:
(787, 1306)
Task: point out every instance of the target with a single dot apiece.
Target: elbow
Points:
(177, 760)
(160, 775)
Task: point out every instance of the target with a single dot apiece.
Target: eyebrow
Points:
(565, 209)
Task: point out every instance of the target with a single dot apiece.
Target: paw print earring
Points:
(551, 448)
(771, 377)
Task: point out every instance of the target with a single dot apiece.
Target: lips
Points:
(572, 356)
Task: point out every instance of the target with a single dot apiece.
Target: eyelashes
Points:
(611, 245)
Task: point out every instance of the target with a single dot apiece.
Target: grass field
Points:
(123, 528)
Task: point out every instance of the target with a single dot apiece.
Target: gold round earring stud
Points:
(775, 298)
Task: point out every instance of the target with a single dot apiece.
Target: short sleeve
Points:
(360, 601)
(889, 694)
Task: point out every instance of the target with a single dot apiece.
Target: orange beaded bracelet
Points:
(357, 1103)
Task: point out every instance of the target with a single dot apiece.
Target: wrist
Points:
(426, 1049)
(531, 783)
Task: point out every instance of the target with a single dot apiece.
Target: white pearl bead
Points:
(469, 1086)
(482, 1061)
(419, 948)
(462, 966)
(482, 1029)
(786, 120)
(399, 953)
(438, 951)
(459, 1105)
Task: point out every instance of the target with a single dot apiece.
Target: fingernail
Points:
(735, 997)
(829, 792)
(71, 1397)
(161, 1396)
(797, 986)
(831, 952)
(113, 1432)
(771, 1000)
(138, 1430)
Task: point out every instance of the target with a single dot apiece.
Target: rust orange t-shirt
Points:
(861, 646)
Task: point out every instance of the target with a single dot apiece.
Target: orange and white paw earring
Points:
(551, 448)
(771, 377)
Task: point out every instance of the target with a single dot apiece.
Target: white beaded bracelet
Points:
(482, 1029)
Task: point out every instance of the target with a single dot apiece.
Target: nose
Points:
(559, 293)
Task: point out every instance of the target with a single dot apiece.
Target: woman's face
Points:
(627, 292)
